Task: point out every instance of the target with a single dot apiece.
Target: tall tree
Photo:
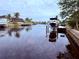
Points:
(67, 7)
(17, 15)
(27, 19)
(70, 8)
(9, 17)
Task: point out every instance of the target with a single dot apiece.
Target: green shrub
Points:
(71, 23)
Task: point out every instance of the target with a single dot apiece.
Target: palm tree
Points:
(9, 17)
(17, 15)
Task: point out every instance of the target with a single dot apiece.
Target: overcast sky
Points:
(36, 9)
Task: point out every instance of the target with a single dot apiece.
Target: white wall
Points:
(3, 21)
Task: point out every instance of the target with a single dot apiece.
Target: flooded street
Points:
(31, 43)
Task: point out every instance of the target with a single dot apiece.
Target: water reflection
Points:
(17, 34)
(53, 36)
(28, 28)
(60, 55)
(31, 45)
(2, 32)
(10, 33)
(73, 51)
(65, 55)
(16, 30)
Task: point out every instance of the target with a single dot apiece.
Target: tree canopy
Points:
(70, 9)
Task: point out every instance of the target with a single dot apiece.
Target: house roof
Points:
(17, 20)
(3, 16)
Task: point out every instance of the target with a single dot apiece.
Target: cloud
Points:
(36, 9)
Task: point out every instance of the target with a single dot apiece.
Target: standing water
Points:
(31, 42)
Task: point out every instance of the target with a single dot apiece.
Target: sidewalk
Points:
(74, 34)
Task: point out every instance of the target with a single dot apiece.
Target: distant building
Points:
(17, 20)
(3, 21)
(20, 21)
(3, 16)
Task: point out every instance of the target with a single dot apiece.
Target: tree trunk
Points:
(76, 24)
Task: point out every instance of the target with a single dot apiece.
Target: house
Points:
(17, 20)
(3, 16)
(3, 21)
(20, 21)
